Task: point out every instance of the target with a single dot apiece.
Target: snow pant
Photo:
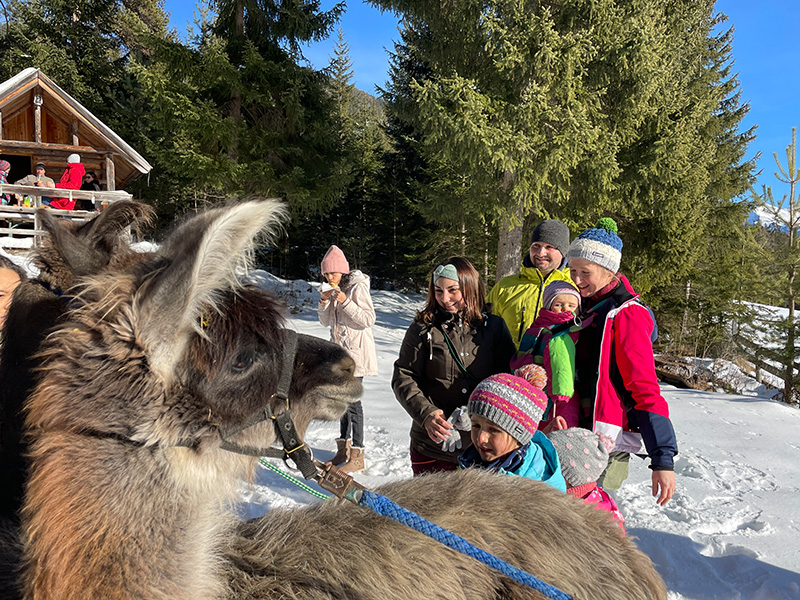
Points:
(351, 425)
(421, 464)
(616, 472)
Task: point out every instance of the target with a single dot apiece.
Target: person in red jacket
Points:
(616, 376)
(70, 180)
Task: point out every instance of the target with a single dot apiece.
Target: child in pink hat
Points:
(345, 305)
(584, 457)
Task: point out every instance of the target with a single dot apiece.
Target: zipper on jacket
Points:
(521, 324)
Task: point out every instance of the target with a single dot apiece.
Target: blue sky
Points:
(766, 54)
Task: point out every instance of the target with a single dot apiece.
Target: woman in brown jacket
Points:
(450, 347)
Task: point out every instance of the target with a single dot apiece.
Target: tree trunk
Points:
(509, 245)
(236, 94)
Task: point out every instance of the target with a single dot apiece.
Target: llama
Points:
(130, 489)
(69, 251)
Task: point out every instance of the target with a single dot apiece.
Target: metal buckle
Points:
(289, 461)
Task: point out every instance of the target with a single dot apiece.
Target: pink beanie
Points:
(334, 261)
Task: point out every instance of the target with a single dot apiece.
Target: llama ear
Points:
(85, 250)
(200, 262)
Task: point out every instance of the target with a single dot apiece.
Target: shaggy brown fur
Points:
(69, 251)
(180, 350)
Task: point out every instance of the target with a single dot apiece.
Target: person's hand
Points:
(663, 486)
(326, 295)
(557, 424)
(340, 297)
(437, 426)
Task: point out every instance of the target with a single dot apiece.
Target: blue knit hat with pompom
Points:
(599, 244)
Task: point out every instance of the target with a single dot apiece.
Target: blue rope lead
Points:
(383, 506)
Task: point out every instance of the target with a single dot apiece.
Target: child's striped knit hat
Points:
(600, 245)
(511, 403)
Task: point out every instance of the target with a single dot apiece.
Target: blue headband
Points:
(446, 271)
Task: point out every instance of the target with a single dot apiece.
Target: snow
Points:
(729, 532)
(770, 216)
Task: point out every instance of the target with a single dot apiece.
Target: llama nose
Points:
(346, 366)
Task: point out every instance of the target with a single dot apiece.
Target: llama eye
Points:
(242, 362)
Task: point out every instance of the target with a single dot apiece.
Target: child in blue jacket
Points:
(505, 411)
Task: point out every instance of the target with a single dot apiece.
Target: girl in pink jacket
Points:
(584, 457)
(345, 305)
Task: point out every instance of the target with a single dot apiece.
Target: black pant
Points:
(353, 422)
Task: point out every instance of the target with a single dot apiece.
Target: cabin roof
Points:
(16, 94)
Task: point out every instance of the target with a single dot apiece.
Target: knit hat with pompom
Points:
(513, 403)
(582, 454)
(599, 244)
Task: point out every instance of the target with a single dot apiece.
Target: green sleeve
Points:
(562, 365)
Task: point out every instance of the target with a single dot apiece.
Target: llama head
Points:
(174, 348)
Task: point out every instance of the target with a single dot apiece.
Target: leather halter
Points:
(293, 446)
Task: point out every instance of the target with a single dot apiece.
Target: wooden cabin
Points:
(40, 122)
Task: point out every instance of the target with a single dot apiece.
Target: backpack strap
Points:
(455, 356)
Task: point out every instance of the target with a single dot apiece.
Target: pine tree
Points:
(83, 45)
(357, 221)
(576, 110)
(784, 259)
(234, 112)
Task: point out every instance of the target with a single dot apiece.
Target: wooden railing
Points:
(765, 358)
(15, 215)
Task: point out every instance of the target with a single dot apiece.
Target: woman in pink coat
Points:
(70, 180)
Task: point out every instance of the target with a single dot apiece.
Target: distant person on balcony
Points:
(37, 179)
(70, 180)
(90, 184)
(5, 169)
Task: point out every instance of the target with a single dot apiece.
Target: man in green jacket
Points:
(518, 298)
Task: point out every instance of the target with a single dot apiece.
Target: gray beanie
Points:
(582, 454)
(552, 232)
(557, 288)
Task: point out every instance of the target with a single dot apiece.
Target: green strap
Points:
(455, 356)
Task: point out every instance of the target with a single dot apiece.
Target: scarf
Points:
(510, 462)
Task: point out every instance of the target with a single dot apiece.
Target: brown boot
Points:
(356, 462)
(342, 452)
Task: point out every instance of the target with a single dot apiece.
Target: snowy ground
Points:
(730, 532)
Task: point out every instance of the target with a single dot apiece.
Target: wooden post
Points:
(1, 124)
(111, 176)
(75, 141)
(37, 124)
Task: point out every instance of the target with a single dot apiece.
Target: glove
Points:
(460, 419)
(461, 422)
